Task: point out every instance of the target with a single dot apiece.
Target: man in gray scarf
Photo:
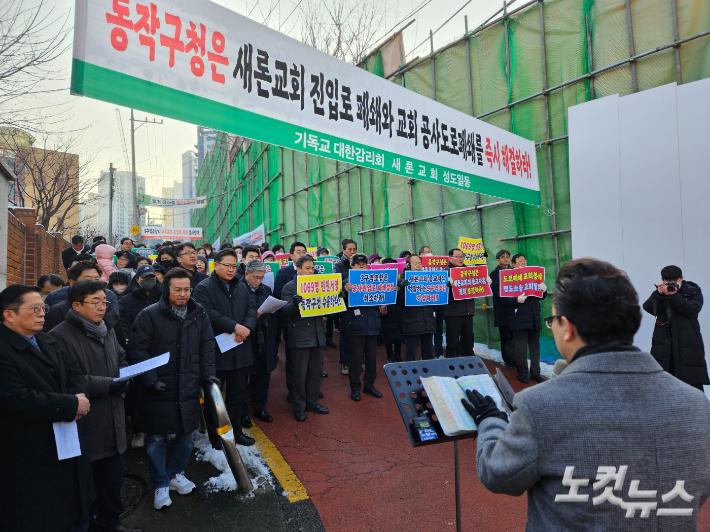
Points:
(97, 352)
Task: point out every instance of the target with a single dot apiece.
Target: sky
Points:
(159, 148)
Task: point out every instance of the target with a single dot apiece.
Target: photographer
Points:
(677, 344)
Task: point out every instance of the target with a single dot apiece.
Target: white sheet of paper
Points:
(136, 369)
(269, 280)
(271, 305)
(66, 435)
(225, 342)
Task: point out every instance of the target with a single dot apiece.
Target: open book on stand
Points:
(445, 394)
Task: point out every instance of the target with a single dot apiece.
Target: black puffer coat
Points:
(416, 320)
(133, 303)
(460, 307)
(391, 326)
(191, 345)
(680, 336)
(226, 309)
(302, 332)
(362, 321)
(500, 309)
(524, 316)
(263, 339)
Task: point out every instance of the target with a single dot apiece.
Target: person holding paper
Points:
(231, 310)
(418, 322)
(363, 325)
(525, 324)
(169, 395)
(263, 343)
(306, 336)
(41, 386)
(612, 443)
(94, 346)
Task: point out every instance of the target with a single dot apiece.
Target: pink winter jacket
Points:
(104, 256)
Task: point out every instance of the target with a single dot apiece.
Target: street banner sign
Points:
(522, 281)
(214, 67)
(470, 282)
(426, 288)
(321, 294)
(172, 233)
(371, 288)
(172, 203)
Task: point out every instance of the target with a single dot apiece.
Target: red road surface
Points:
(362, 474)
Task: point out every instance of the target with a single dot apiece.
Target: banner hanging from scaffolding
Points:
(172, 203)
(216, 68)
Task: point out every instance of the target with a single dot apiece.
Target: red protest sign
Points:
(282, 259)
(522, 281)
(430, 263)
(470, 282)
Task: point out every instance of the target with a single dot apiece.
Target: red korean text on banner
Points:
(522, 281)
(470, 282)
(431, 263)
(282, 259)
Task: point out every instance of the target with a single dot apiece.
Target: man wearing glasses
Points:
(40, 384)
(85, 335)
(231, 310)
(169, 396)
(187, 258)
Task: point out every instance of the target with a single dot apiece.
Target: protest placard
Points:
(426, 288)
(431, 263)
(272, 267)
(470, 282)
(399, 266)
(370, 288)
(321, 294)
(321, 267)
(473, 250)
(328, 258)
(282, 259)
(522, 281)
(143, 252)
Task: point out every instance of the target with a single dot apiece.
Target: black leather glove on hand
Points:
(119, 387)
(159, 386)
(210, 380)
(481, 407)
(297, 300)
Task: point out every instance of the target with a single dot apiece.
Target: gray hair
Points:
(256, 265)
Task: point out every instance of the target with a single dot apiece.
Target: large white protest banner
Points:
(255, 237)
(172, 203)
(214, 67)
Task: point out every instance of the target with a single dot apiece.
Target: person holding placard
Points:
(41, 386)
(418, 322)
(363, 325)
(500, 311)
(459, 317)
(525, 323)
(306, 338)
(343, 267)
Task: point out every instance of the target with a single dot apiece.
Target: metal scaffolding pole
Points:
(676, 49)
(630, 32)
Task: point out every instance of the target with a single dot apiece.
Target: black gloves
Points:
(119, 387)
(210, 380)
(297, 300)
(159, 386)
(481, 407)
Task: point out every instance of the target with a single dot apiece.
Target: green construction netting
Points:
(320, 201)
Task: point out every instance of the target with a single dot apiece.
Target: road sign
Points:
(135, 229)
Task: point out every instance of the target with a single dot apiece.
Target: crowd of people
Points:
(64, 344)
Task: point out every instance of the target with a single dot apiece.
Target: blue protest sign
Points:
(426, 288)
(370, 288)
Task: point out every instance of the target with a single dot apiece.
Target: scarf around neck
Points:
(92, 329)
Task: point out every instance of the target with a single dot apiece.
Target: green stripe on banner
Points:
(111, 86)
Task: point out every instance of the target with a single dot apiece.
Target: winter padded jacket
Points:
(302, 332)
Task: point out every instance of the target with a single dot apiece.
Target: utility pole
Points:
(134, 185)
(110, 203)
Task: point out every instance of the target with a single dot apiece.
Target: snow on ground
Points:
(254, 462)
(486, 352)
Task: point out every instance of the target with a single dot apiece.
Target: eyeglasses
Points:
(227, 266)
(181, 290)
(257, 277)
(38, 309)
(189, 254)
(96, 304)
(548, 320)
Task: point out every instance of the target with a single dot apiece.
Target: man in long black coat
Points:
(40, 384)
(677, 344)
(169, 396)
(500, 311)
(231, 310)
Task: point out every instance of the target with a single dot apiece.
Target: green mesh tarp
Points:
(320, 201)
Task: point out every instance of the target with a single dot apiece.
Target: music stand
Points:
(405, 380)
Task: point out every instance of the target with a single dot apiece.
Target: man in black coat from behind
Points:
(77, 246)
(500, 311)
(677, 344)
(283, 276)
(40, 384)
(169, 395)
(525, 323)
(231, 310)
